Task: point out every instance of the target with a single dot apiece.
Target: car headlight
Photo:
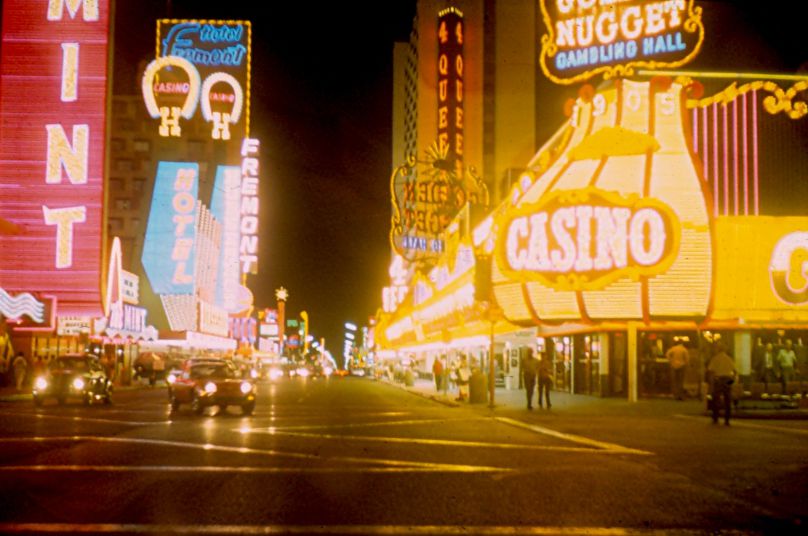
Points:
(171, 379)
(210, 388)
(275, 373)
(246, 387)
(78, 384)
(253, 373)
(303, 372)
(41, 384)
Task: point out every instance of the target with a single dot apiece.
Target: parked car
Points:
(79, 376)
(210, 383)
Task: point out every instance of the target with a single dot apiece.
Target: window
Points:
(120, 108)
(135, 224)
(116, 184)
(138, 184)
(115, 225)
(142, 146)
(123, 204)
(124, 164)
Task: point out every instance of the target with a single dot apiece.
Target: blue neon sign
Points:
(213, 45)
(169, 250)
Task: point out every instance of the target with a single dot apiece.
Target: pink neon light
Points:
(705, 157)
(31, 59)
(726, 162)
(755, 151)
(735, 153)
(695, 130)
(745, 158)
(716, 178)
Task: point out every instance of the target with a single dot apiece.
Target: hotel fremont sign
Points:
(588, 37)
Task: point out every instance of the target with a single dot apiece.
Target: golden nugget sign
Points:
(789, 269)
(588, 37)
(586, 239)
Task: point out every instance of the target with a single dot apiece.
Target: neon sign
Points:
(788, 269)
(222, 45)
(450, 87)
(586, 239)
(248, 244)
(169, 248)
(220, 53)
(53, 83)
(587, 37)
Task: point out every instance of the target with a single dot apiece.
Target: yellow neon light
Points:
(779, 101)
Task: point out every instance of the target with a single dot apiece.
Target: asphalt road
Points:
(355, 456)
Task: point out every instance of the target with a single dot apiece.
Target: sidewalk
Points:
(514, 399)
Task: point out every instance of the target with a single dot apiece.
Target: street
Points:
(348, 455)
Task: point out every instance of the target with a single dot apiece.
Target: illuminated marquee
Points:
(53, 87)
(248, 244)
(788, 269)
(587, 37)
(450, 87)
(168, 251)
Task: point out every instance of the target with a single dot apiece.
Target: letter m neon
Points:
(89, 12)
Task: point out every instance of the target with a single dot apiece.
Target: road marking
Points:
(365, 424)
(440, 442)
(134, 528)
(431, 468)
(262, 452)
(612, 447)
(744, 424)
(82, 419)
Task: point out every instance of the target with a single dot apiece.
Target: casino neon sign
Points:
(586, 239)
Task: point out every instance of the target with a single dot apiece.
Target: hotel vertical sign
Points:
(450, 88)
(53, 97)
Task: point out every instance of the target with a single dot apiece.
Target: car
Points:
(78, 376)
(152, 366)
(205, 384)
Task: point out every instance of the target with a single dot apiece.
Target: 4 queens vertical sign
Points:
(53, 93)
(450, 87)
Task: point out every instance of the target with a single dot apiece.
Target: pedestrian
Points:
(20, 367)
(786, 359)
(530, 369)
(463, 374)
(437, 372)
(678, 357)
(722, 372)
(766, 366)
(545, 379)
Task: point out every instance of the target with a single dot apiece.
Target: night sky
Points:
(321, 105)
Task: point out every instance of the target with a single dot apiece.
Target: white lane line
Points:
(617, 449)
(435, 468)
(493, 530)
(364, 424)
(262, 452)
(744, 424)
(76, 418)
(431, 442)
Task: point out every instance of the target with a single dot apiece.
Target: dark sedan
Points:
(77, 376)
(208, 384)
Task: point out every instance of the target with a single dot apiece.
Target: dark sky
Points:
(321, 106)
(322, 82)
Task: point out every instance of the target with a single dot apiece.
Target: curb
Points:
(435, 398)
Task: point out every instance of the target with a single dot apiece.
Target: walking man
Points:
(723, 372)
(529, 370)
(678, 357)
(437, 372)
(545, 380)
(786, 359)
